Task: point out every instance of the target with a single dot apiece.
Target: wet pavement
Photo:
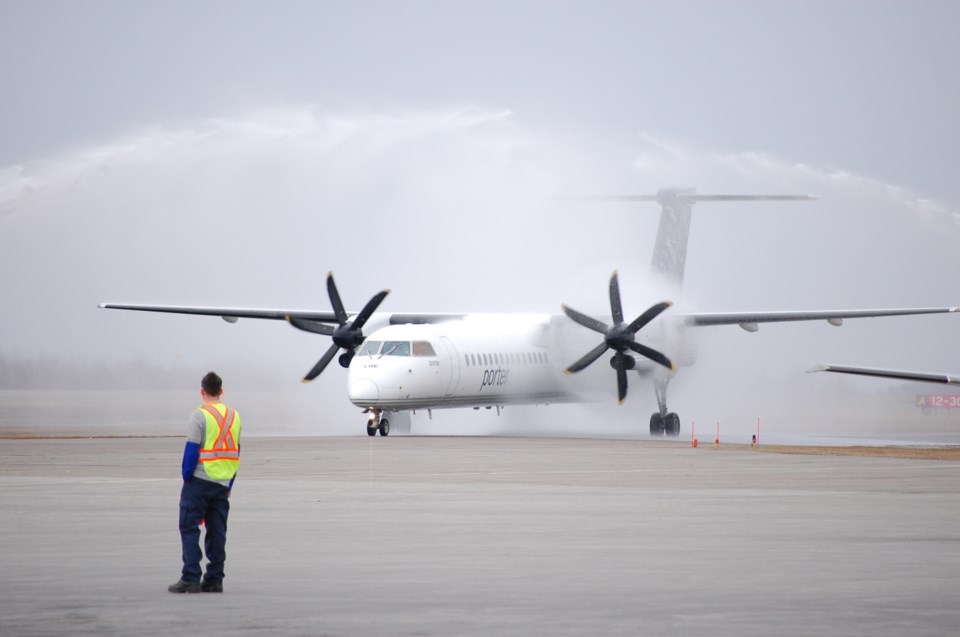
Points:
(483, 536)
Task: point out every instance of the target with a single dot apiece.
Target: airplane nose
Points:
(364, 390)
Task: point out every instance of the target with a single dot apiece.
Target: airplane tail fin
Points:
(670, 250)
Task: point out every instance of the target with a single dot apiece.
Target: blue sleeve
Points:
(234, 475)
(191, 455)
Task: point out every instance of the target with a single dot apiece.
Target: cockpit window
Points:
(423, 348)
(370, 348)
(395, 348)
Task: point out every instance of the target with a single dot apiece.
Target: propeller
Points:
(620, 337)
(346, 336)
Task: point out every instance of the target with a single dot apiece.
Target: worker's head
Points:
(212, 385)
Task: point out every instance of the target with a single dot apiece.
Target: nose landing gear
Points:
(376, 423)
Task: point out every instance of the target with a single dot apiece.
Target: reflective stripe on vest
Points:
(220, 453)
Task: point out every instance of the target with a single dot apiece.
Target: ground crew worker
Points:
(211, 457)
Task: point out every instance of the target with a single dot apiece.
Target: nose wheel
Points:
(375, 423)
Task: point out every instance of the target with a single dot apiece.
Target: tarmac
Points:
(483, 536)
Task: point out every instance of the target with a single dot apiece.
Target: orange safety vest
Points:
(220, 454)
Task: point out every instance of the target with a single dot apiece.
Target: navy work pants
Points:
(203, 500)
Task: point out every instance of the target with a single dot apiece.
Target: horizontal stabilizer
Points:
(691, 197)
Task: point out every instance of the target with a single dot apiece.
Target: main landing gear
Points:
(375, 423)
(663, 422)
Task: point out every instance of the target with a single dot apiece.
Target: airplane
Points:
(400, 362)
(926, 377)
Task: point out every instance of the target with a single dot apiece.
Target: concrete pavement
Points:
(483, 536)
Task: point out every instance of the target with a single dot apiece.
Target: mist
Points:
(454, 210)
(452, 199)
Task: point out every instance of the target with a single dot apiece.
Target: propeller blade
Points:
(322, 363)
(652, 354)
(616, 309)
(619, 338)
(311, 326)
(345, 337)
(586, 321)
(621, 384)
(335, 300)
(649, 315)
(591, 356)
(368, 310)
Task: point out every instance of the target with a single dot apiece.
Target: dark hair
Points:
(212, 384)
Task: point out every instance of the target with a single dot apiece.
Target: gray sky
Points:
(867, 86)
(231, 153)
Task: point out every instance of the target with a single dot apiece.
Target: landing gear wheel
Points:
(371, 431)
(671, 424)
(384, 427)
(656, 424)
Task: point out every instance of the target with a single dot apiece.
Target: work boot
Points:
(184, 587)
(211, 586)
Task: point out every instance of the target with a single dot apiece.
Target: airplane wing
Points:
(945, 379)
(747, 320)
(229, 314)
(750, 321)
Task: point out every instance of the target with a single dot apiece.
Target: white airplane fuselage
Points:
(477, 361)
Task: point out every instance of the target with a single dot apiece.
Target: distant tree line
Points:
(52, 373)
